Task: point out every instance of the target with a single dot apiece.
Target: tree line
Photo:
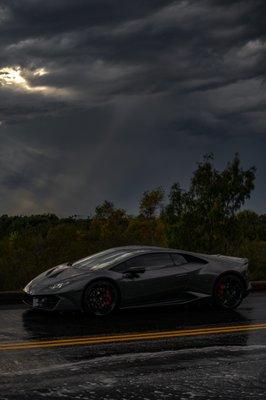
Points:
(207, 217)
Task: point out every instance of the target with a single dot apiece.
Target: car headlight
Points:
(59, 285)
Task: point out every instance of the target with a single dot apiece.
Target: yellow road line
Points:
(160, 335)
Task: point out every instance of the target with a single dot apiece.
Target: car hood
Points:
(54, 275)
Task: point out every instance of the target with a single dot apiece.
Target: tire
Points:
(100, 298)
(228, 292)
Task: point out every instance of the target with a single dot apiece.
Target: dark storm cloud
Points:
(104, 99)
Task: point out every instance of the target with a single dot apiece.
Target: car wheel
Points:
(228, 292)
(100, 298)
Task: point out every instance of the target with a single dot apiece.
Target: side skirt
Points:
(198, 298)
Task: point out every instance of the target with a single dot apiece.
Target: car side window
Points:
(132, 262)
(122, 267)
(194, 260)
(136, 262)
(178, 259)
(151, 261)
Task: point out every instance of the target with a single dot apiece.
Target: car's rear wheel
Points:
(228, 292)
(100, 298)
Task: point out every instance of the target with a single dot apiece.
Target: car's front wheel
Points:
(228, 292)
(100, 298)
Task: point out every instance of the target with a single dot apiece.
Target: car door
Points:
(161, 280)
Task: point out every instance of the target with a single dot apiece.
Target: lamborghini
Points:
(140, 276)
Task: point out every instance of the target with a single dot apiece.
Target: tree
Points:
(248, 225)
(108, 226)
(262, 227)
(104, 210)
(223, 192)
(204, 216)
(144, 231)
(174, 208)
(151, 203)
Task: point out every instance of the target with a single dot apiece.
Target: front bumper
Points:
(51, 302)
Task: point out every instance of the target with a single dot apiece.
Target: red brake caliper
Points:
(108, 297)
(220, 289)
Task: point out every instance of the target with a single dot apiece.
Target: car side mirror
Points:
(135, 270)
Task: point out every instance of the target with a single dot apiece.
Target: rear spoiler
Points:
(232, 259)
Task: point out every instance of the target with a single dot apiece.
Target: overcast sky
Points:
(103, 99)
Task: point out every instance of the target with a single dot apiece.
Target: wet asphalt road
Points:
(224, 359)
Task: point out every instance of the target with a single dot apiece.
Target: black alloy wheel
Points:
(100, 298)
(228, 292)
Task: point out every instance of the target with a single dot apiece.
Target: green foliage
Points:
(203, 218)
(151, 203)
(255, 251)
(175, 209)
(207, 217)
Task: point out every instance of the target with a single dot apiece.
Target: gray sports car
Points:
(137, 276)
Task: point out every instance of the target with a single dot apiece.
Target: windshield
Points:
(102, 260)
